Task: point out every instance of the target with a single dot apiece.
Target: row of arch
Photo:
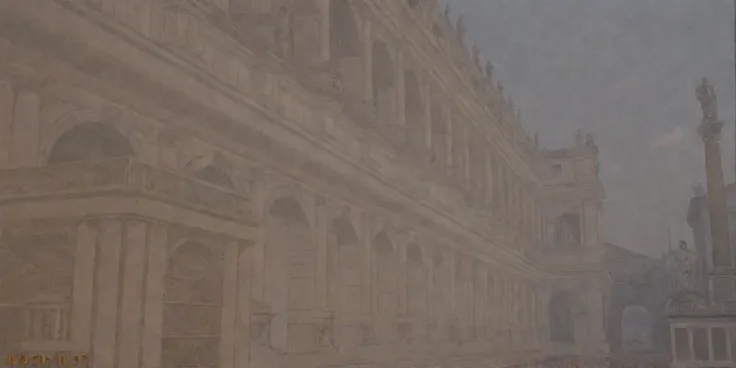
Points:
(436, 134)
(91, 141)
(193, 283)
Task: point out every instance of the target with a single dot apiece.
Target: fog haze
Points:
(625, 71)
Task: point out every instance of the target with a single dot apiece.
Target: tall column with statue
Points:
(721, 279)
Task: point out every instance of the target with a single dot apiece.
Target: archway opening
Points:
(416, 281)
(346, 281)
(344, 35)
(439, 133)
(192, 308)
(636, 329)
(385, 281)
(384, 83)
(89, 141)
(291, 255)
(414, 110)
(561, 319)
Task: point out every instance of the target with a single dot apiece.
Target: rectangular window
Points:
(556, 169)
(718, 338)
(682, 344)
(700, 344)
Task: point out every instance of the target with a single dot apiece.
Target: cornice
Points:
(492, 121)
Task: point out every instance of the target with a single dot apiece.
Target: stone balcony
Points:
(123, 186)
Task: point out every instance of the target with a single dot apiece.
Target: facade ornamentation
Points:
(251, 199)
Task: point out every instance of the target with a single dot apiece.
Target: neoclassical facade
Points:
(262, 183)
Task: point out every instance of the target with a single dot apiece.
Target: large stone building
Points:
(257, 183)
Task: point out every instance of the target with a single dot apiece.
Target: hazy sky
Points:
(624, 70)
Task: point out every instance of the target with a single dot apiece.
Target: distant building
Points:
(637, 328)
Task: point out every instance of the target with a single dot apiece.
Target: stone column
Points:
(25, 131)
(154, 294)
(7, 101)
(106, 294)
(243, 312)
(721, 281)
(229, 304)
(131, 304)
(320, 238)
(84, 271)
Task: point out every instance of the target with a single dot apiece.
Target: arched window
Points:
(384, 83)
(561, 319)
(89, 141)
(416, 281)
(568, 232)
(414, 108)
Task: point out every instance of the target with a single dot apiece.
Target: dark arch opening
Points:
(562, 326)
(215, 175)
(567, 231)
(344, 36)
(89, 141)
(192, 308)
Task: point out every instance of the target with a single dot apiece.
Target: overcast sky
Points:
(624, 70)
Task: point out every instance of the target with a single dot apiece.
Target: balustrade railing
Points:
(37, 322)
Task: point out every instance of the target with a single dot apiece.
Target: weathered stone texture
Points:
(261, 183)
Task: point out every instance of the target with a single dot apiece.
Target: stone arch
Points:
(345, 289)
(192, 307)
(636, 329)
(416, 281)
(383, 79)
(291, 256)
(37, 285)
(568, 234)
(414, 110)
(385, 286)
(344, 35)
(89, 141)
(561, 317)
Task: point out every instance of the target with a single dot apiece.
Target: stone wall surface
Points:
(262, 183)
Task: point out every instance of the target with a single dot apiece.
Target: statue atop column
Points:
(708, 102)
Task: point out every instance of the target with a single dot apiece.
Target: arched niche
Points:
(192, 307)
(416, 281)
(561, 317)
(414, 110)
(384, 82)
(291, 257)
(636, 329)
(345, 290)
(89, 141)
(567, 231)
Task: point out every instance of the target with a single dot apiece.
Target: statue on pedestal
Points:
(681, 268)
(708, 102)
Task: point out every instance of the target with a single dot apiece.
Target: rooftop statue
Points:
(708, 102)
(489, 69)
(460, 27)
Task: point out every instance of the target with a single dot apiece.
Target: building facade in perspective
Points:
(258, 183)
